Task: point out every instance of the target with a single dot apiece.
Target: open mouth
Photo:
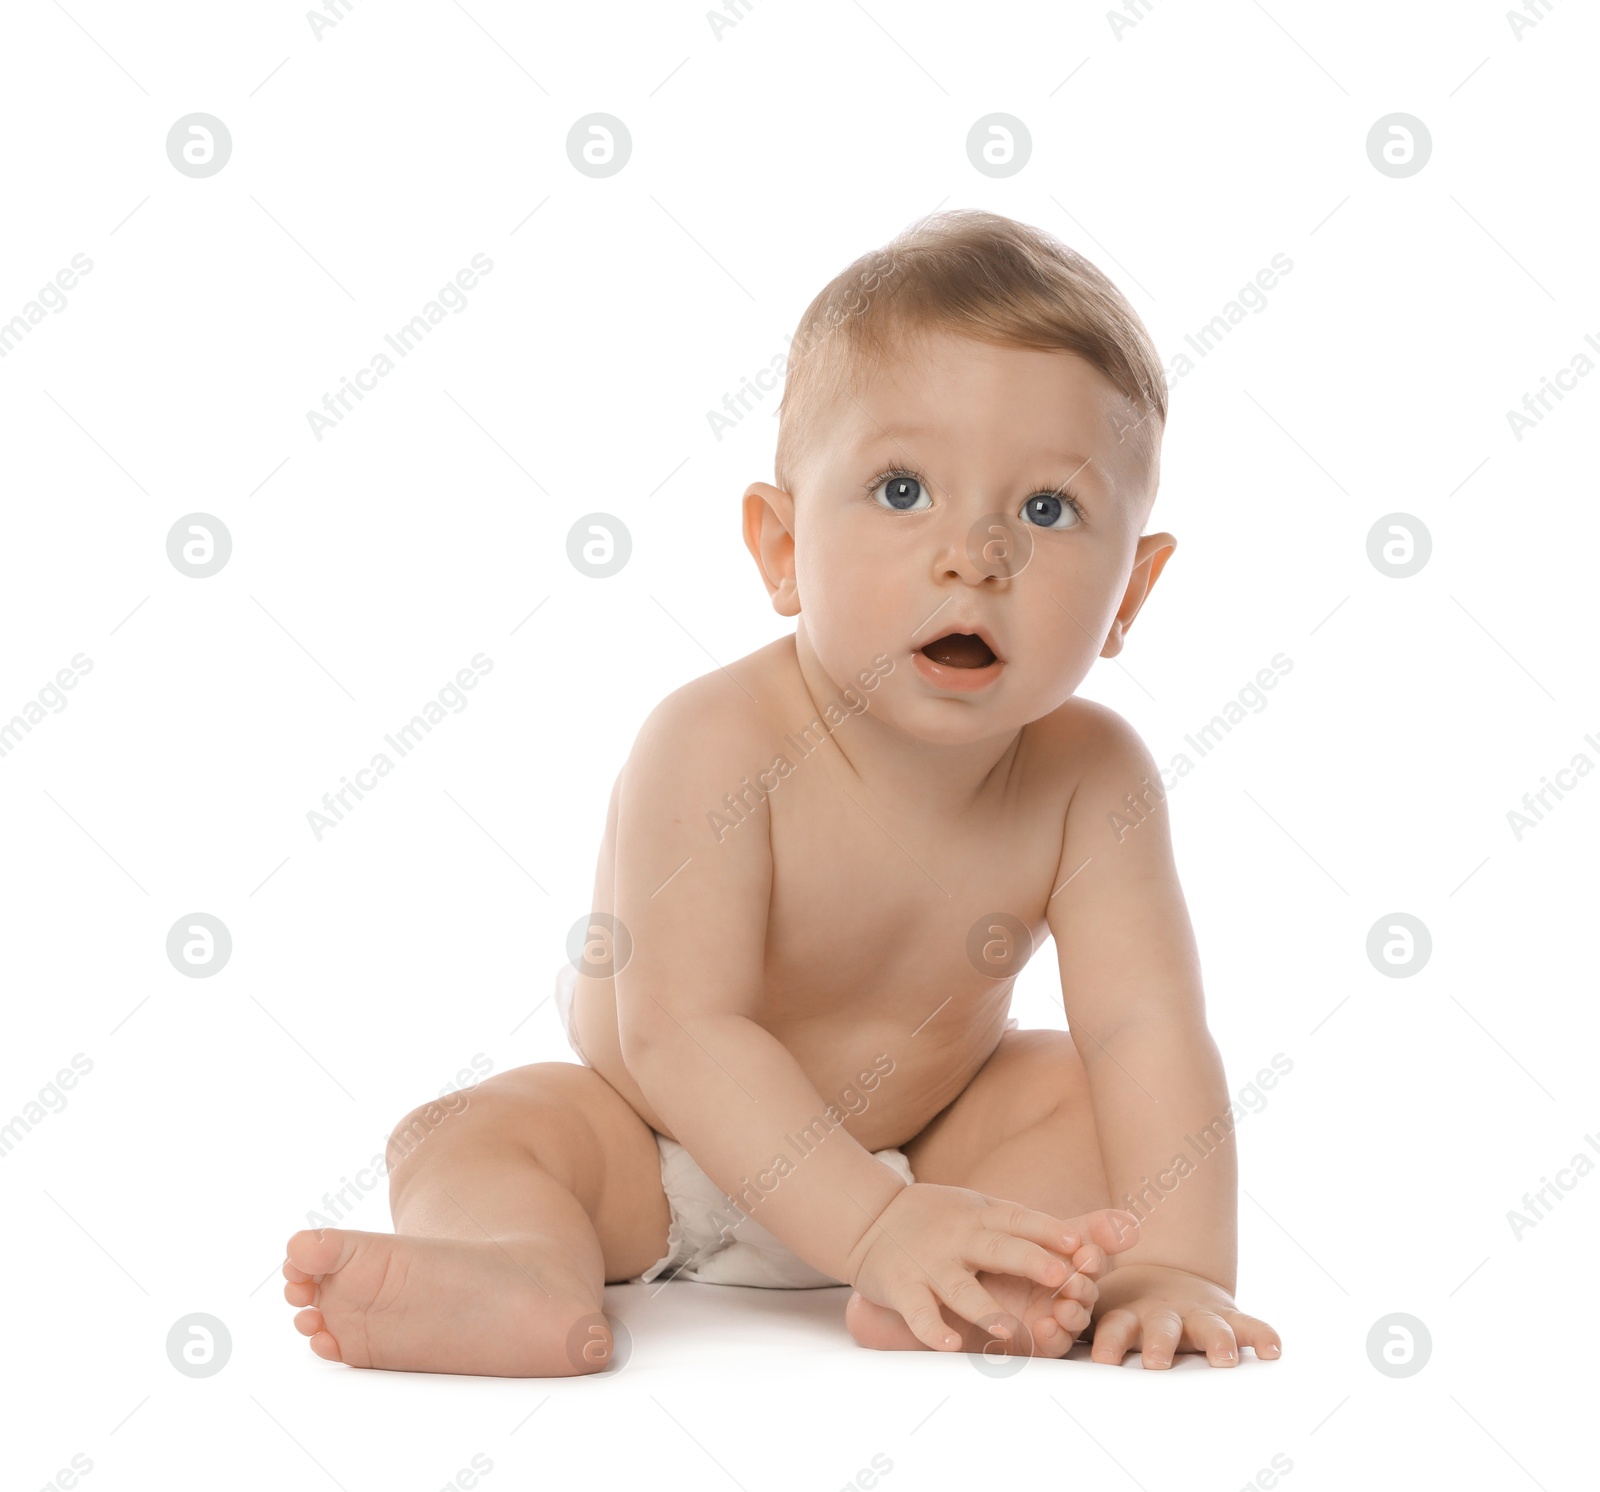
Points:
(960, 650)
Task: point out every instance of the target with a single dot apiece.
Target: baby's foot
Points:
(440, 1305)
(1051, 1320)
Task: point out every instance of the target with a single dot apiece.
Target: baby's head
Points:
(969, 443)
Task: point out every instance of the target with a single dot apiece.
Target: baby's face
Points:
(977, 490)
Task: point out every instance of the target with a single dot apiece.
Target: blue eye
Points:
(1048, 509)
(901, 493)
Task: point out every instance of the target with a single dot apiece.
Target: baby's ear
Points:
(1149, 560)
(769, 536)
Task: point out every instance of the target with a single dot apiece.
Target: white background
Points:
(368, 167)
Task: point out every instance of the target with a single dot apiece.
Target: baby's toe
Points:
(315, 1251)
(1072, 1316)
(301, 1292)
(1049, 1340)
(309, 1323)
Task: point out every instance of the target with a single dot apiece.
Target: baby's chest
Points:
(881, 889)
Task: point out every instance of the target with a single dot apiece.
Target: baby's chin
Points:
(1016, 700)
(936, 719)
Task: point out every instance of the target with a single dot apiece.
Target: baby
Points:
(824, 866)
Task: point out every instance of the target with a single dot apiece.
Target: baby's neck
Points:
(892, 763)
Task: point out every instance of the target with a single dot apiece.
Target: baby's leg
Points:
(510, 1215)
(1022, 1129)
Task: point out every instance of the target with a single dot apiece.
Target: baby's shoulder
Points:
(1082, 738)
(714, 723)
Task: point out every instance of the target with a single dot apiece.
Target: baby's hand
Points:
(929, 1243)
(1164, 1311)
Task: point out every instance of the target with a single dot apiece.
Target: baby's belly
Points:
(889, 1085)
(882, 1082)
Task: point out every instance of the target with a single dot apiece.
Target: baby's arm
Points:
(726, 1087)
(1130, 980)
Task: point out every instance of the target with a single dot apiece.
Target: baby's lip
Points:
(972, 629)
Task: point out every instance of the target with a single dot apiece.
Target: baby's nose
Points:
(996, 546)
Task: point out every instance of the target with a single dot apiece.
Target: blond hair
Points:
(981, 275)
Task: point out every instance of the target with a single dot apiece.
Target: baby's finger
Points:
(1113, 1228)
(969, 1300)
(1037, 1227)
(1081, 1290)
(920, 1310)
(1114, 1336)
(1207, 1332)
(1001, 1253)
(1257, 1335)
(1161, 1330)
(1090, 1260)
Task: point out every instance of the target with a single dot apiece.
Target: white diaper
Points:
(710, 1239)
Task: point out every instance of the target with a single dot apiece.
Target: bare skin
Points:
(786, 930)
(553, 1164)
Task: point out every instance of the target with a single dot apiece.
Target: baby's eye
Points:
(902, 494)
(1047, 510)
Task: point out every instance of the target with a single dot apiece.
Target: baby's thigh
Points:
(1032, 1093)
(547, 1121)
